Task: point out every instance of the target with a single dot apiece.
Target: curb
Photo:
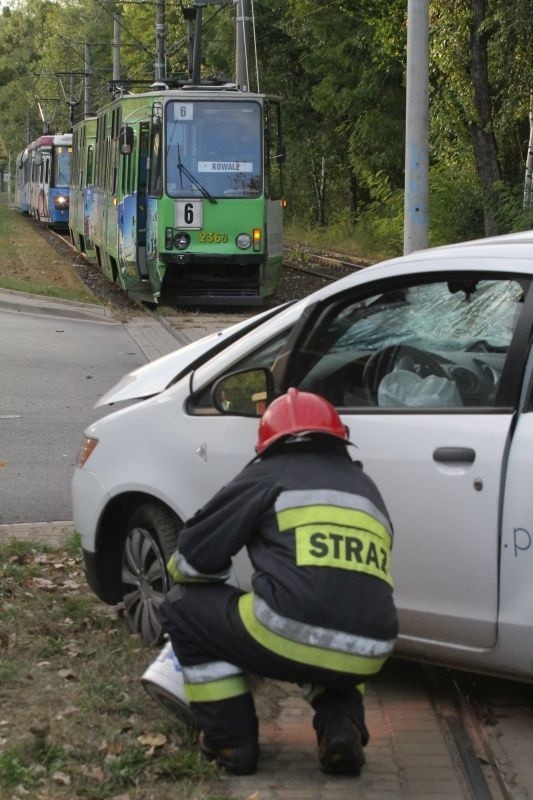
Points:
(53, 534)
(40, 304)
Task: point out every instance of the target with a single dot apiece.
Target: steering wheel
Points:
(385, 360)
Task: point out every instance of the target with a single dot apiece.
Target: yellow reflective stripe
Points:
(216, 690)
(304, 653)
(343, 548)
(179, 577)
(173, 571)
(335, 515)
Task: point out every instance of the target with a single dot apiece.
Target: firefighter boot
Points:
(240, 760)
(340, 747)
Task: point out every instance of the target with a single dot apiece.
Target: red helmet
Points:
(298, 412)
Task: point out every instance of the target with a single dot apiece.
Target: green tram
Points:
(82, 187)
(187, 203)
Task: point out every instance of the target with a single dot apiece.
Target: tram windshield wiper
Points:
(195, 182)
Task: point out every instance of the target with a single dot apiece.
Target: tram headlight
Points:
(182, 241)
(243, 241)
(61, 201)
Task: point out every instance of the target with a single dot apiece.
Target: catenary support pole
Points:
(87, 83)
(160, 30)
(416, 203)
(116, 47)
(242, 45)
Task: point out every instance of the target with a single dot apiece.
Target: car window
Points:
(263, 356)
(439, 344)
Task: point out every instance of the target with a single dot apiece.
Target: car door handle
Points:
(450, 455)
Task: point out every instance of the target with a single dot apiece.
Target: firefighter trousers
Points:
(216, 651)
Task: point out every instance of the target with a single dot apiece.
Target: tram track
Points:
(464, 735)
(479, 738)
(313, 262)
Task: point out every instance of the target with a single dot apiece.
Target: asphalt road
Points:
(53, 368)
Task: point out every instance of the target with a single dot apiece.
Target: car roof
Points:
(499, 244)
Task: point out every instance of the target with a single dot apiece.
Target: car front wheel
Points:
(151, 537)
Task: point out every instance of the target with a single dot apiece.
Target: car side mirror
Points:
(245, 393)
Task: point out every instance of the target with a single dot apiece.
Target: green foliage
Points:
(24, 767)
(73, 544)
(13, 771)
(340, 70)
(456, 210)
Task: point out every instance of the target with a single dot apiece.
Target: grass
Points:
(66, 662)
(29, 263)
(343, 239)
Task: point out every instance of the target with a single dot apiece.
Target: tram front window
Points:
(213, 147)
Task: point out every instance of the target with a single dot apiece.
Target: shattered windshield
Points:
(445, 316)
(213, 148)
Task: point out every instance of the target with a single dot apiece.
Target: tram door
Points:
(144, 143)
(132, 218)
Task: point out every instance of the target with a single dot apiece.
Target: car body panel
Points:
(445, 575)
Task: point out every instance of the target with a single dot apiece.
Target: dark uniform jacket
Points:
(319, 538)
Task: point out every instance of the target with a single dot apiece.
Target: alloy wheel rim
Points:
(145, 583)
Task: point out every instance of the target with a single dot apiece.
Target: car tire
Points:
(150, 539)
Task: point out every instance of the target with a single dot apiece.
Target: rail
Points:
(313, 262)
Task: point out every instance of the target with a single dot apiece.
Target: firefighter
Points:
(321, 611)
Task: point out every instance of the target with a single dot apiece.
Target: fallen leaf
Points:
(153, 739)
(44, 583)
(68, 674)
(97, 774)
(70, 585)
(61, 778)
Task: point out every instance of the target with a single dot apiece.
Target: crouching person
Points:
(321, 611)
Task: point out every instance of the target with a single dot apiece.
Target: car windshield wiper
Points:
(195, 182)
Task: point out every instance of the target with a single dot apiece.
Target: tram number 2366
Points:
(213, 237)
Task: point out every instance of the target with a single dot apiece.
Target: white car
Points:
(428, 359)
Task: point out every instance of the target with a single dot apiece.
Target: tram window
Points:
(105, 156)
(155, 160)
(114, 166)
(90, 166)
(127, 163)
(99, 153)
